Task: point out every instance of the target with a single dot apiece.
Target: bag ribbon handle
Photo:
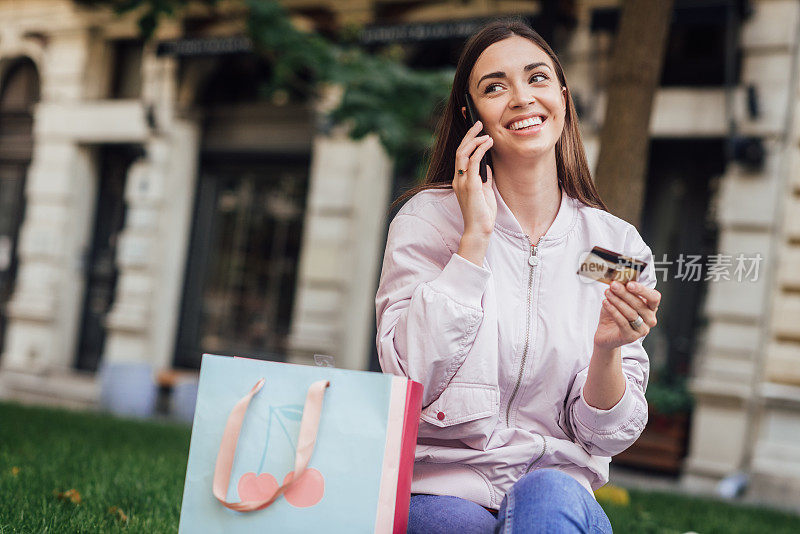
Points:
(309, 426)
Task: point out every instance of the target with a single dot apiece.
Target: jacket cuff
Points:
(462, 281)
(606, 421)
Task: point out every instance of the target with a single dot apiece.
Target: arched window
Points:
(19, 92)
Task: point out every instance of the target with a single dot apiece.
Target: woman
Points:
(534, 376)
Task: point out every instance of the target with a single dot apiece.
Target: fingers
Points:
(630, 305)
(468, 145)
(639, 300)
(624, 307)
(467, 148)
(472, 134)
(651, 296)
(463, 157)
(635, 302)
(623, 322)
(475, 128)
(475, 160)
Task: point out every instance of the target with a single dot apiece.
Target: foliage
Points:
(669, 396)
(298, 59)
(381, 94)
(150, 10)
(386, 97)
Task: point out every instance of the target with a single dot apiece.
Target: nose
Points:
(521, 95)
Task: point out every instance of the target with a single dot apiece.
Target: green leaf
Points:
(381, 94)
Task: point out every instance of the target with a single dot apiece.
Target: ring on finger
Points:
(635, 324)
(610, 295)
(460, 172)
(637, 300)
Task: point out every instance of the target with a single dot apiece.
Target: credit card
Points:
(603, 265)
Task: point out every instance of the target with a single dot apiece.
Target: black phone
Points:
(472, 118)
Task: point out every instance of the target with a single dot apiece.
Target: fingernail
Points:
(632, 285)
(616, 285)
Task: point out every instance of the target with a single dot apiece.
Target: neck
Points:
(530, 190)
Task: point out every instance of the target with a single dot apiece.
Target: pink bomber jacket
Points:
(503, 350)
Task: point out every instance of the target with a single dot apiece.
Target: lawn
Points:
(63, 471)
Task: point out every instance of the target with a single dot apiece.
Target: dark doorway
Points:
(100, 268)
(679, 227)
(19, 92)
(12, 204)
(677, 221)
(243, 258)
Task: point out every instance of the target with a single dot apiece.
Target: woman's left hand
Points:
(621, 305)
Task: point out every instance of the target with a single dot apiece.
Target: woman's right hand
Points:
(477, 200)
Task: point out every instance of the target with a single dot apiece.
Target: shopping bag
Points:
(277, 447)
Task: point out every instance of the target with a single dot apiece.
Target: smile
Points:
(525, 123)
(529, 126)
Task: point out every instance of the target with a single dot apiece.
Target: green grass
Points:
(139, 467)
(666, 513)
(134, 465)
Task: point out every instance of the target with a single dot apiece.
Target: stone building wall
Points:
(746, 379)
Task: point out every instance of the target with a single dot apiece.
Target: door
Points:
(242, 267)
(12, 180)
(19, 91)
(100, 269)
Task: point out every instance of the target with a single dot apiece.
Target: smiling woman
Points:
(480, 301)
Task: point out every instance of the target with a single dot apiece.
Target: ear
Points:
(464, 112)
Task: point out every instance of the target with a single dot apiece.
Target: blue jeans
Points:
(542, 501)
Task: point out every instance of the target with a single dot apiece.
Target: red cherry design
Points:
(307, 490)
(257, 488)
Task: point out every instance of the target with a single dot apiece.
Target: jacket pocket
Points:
(463, 411)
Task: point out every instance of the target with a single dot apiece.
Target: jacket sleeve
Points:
(609, 432)
(428, 305)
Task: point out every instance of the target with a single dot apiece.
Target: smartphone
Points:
(472, 118)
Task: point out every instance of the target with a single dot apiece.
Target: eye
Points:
(488, 88)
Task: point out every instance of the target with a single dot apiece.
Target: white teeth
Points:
(533, 121)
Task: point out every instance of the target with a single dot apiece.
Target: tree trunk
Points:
(634, 74)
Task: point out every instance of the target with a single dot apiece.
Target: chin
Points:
(534, 150)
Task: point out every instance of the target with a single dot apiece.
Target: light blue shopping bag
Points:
(358, 472)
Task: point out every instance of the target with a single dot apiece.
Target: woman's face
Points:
(514, 79)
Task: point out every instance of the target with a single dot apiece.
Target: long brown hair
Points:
(574, 176)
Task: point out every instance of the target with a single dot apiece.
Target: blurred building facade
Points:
(154, 207)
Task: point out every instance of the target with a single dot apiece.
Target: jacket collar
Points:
(563, 223)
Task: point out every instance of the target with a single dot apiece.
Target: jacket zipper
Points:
(533, 260)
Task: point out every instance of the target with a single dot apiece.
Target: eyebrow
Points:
(500, 74)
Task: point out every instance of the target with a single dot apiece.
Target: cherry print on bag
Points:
(304, 492)
(307, 490)
(257, 488)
